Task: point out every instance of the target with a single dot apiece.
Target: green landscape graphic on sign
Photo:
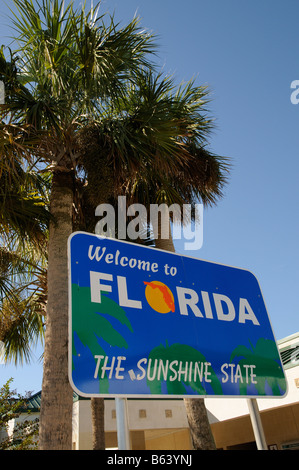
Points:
(182, 369)
(191, 376)
(90, 317)
(264, 356)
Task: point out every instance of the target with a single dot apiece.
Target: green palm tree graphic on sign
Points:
(190, 375)
(268, 370)
(92, 324)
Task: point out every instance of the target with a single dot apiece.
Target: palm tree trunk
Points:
(98, 428)
(97, 404)
(57, 396)
(200, 429)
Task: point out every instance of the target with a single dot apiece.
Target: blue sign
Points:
(146, 322)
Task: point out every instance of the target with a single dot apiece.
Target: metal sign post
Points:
(122, 420)
(257, 424)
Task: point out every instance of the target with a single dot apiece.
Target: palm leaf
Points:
(92, 322)
(21, 327)
(188, 355)
(268, 369)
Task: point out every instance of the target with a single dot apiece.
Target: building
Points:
(161, 424)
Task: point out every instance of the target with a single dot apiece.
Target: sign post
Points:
(123, 430)
(257, 424)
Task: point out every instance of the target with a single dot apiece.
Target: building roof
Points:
(34, 402)
(289, 351)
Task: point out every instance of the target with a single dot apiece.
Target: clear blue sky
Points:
(246, 52)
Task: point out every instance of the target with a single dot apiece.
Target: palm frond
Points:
(23, 202)
(23, 297)
(21, 327)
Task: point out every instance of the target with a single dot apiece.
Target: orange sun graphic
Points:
(159, 296)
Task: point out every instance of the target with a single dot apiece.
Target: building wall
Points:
(153, 424)
(167, 439)
(154, 439)
(281, 426)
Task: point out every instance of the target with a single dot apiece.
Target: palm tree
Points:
(201, 177)
(71, 69)
(201, 181)
(78, 78)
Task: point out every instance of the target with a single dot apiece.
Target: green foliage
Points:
(95, 101)
(23, 233)
(73, 61)
(24, 434)
(23, 205)
(21, 325)
(269, 372)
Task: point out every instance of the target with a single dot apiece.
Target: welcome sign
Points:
(146, 322)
